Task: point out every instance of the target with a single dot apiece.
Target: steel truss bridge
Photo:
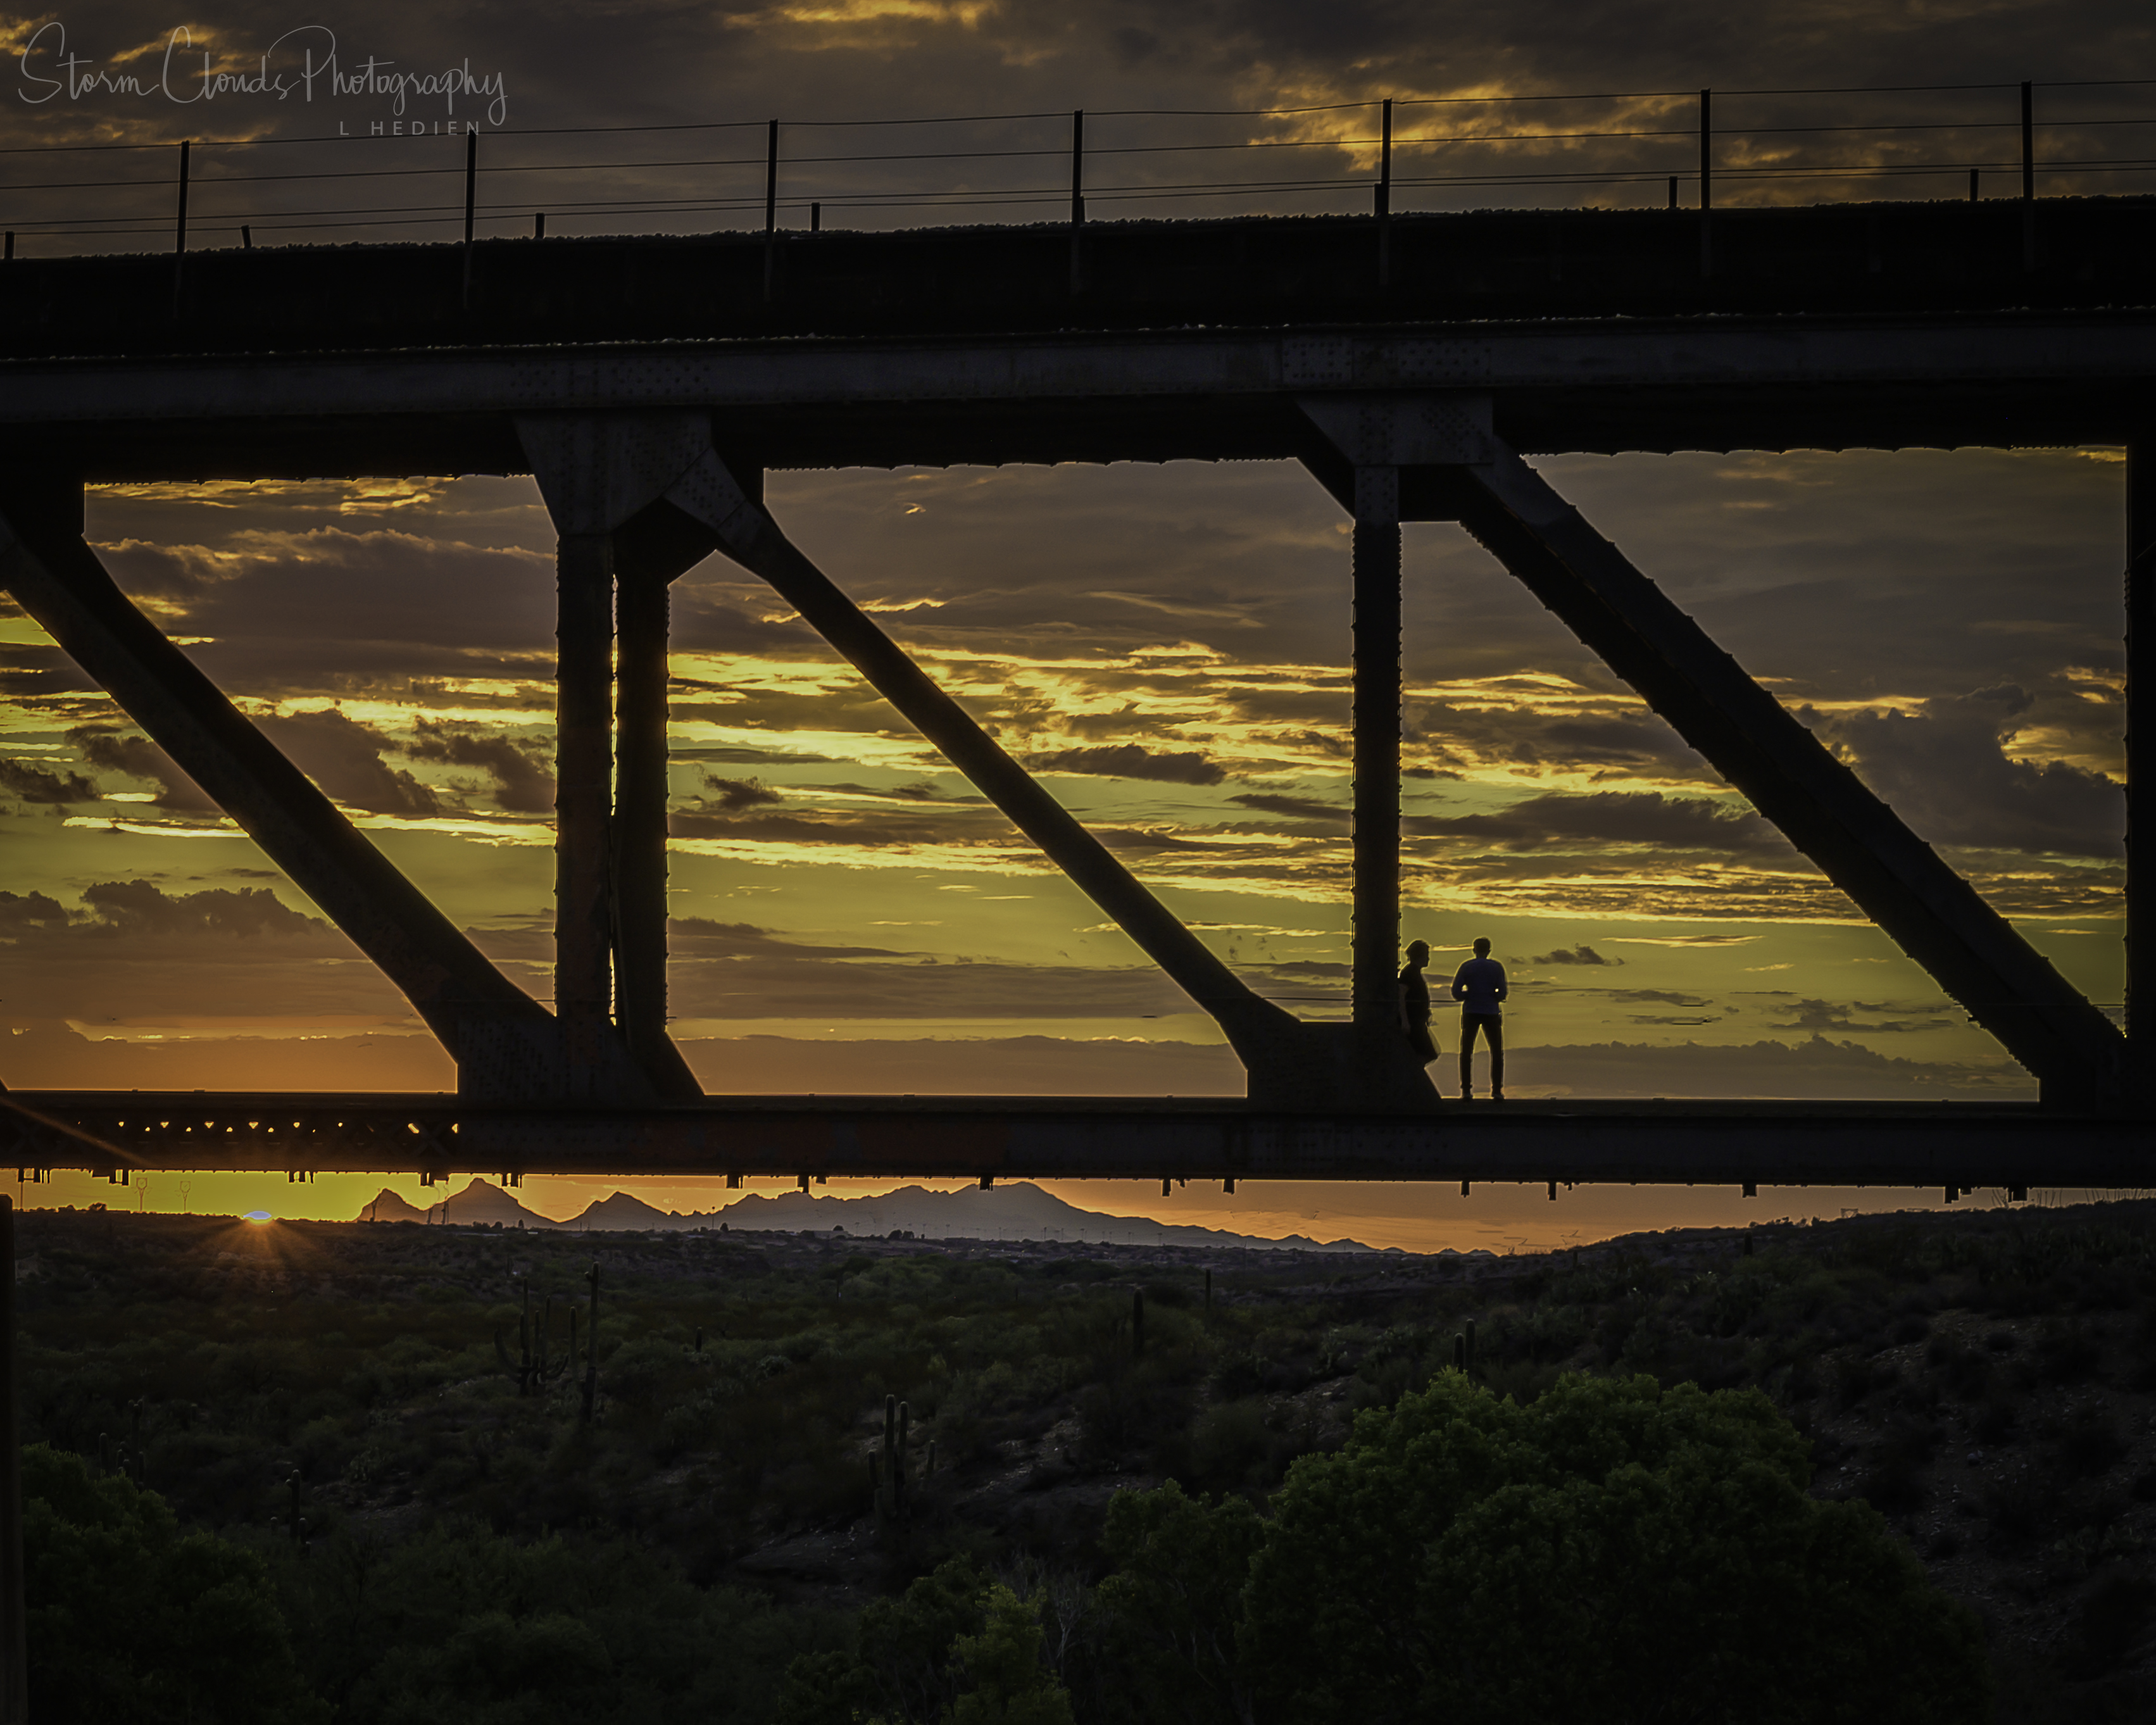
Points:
(1410, 363)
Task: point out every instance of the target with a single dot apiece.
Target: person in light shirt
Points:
(1479, 987)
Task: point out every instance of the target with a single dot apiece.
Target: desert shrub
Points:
(1855, 1379)
(1905, 1331)
(2067, 1353)
(1173, 1604)
(954, 1647)
(1893, 1484)
(2086, 1440)
(2017, 1505)
(1965, 1371)
(1996, 1418)
(459, 1625)
(200, 1634)
(1587, 1547)
(1133, 1406)
(2110, 1619)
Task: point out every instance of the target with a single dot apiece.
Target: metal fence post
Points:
(471, 203)
(770, 208)
(2028, 139)
(1077, 193)
(1706, 182)
(2028, 175)
(180, 237)
(1384, 195)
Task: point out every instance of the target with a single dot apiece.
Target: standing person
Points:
(1479, 986)
(1415, 1003)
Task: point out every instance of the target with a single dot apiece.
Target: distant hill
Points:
(622, 1210)
(1019, 1211)
(479, 1202)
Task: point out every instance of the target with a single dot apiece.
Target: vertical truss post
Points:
(1377, 744)
(583, 934)
(14, 1653)
(640, 822)
(2141, 751)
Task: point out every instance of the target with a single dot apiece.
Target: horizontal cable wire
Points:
(205, 185)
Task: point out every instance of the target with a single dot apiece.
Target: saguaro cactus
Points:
(887, 1468)
(592, 1350)
(1137, 1322)
(898, 1494)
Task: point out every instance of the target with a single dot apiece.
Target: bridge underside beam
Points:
(1706, 1143)
(504, 1041)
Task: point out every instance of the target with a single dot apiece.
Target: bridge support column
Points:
(601, 479)
(583, 800)
(641, 606)
(2141, 752)
(1377, 744)
(503, 1042)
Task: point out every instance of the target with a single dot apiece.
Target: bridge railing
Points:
(449, 178)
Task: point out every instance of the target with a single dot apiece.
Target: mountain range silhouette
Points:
(1019, 1211)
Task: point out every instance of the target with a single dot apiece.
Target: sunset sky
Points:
(1166, 646)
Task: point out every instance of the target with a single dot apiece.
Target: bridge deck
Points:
(1572, 1140)
(1821, 261)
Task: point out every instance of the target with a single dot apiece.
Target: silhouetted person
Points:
(1479, 987)
(1415, 1003)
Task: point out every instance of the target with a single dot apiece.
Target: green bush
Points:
(131, 1622)
(1173, 1605)
(1616, 1551)
(460, 1626)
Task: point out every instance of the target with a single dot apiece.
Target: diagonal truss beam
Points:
(748, 535)
(1291, 1064)
(1974, 954)
(501, 1039)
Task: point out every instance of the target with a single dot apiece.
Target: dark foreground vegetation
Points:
(1887, 1469)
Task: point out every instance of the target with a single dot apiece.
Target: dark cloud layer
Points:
(738, 970)
(1646, 818)
(1946, 770)
(1294, 808)
(34, 783)
(138, 757)
(143, 951)
(1130, 760)
(520, 784)
(1859, 1015)
(1574, 955)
